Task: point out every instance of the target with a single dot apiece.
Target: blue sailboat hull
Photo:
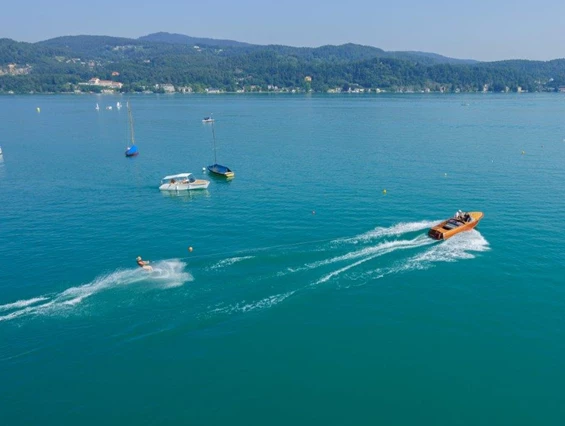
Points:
(132, 151)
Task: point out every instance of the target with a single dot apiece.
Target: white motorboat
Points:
(182, 182)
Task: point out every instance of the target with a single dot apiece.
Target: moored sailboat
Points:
(216, 168)
(131, 149)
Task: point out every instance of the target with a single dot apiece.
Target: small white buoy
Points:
(203, 169)
(190, 249)
(38, 109)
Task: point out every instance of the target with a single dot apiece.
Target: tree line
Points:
(58, 65)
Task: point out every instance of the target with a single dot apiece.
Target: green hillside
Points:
(60, 64)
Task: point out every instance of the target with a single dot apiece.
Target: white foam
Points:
(28, 310)
(21, 303)
(228, 262)
(168, 273)
(460, 247)
(379, 249)
(394, 230)
(371, 253)
(243, 307)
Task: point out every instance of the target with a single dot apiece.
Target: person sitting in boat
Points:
(143, 264)
(467, 217)
(172, 181)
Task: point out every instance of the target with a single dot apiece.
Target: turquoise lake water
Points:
(310, 296)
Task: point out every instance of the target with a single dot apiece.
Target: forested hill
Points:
(163, 37)
(345, 52)
(160, 61)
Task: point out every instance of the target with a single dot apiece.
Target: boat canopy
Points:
(179, 176)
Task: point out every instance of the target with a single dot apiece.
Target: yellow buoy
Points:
(190, 249)
(384, 191)
(523, 152)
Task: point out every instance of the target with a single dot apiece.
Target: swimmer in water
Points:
(144, 264)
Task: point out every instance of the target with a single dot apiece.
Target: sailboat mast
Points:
(131, 125)
(214, 138)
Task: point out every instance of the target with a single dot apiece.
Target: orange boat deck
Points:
(453, 226)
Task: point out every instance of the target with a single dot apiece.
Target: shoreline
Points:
(2, 94)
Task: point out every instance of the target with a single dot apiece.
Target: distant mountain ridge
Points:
(173, 38)
(165, 62)
(356, 51)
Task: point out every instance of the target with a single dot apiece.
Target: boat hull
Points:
(450, 227)
(132, 151)
(198, 184)
(220, 170)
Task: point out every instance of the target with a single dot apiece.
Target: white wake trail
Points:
(167, 273)
(392, 231)
(460, 247)
(371, 253)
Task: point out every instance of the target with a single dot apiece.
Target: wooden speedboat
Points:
(459, 223)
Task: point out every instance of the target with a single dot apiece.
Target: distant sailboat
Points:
(118, 105)
(216, 168)
(97, 107)
(131, 150)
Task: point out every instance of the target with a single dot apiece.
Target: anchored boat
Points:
(182, 182)
(459, 223)
(216, 168)
(131, 149)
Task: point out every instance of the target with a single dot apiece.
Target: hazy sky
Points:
(483, 30)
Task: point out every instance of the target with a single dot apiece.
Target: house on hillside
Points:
(107, 84)
(167, 88)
